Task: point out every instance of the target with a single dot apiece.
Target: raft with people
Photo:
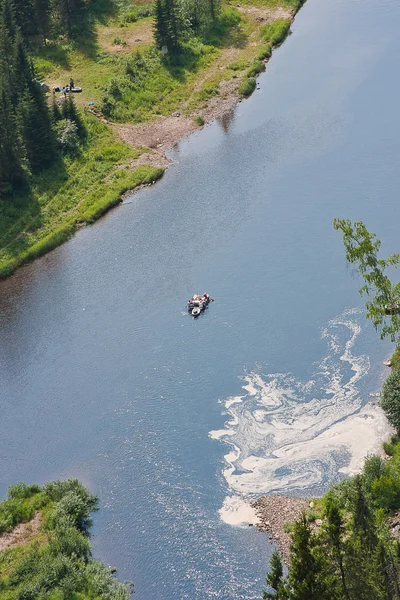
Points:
(197, 304)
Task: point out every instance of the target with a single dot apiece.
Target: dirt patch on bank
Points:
(21, 534)
(164, 132)
(274, 513)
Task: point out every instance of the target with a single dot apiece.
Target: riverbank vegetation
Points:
(52, 561)
(347, 545)
(62, 163)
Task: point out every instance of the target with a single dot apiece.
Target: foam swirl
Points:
(288, 435)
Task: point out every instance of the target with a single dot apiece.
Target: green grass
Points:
(247, 87)
(275, 33)
(69, 194)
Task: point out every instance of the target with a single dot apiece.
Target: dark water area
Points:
(104, 375)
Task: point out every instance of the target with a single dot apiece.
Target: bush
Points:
(67, 137)
(118, 42)
(199, 120)
(385, 492)
(256, 68)
(247, 87)
(276, 32)
(21, 491)
(395, 360)
(390, 399)
(265, 52)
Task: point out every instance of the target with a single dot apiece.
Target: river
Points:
(104, 375)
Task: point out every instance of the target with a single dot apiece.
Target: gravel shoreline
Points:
(274, 513)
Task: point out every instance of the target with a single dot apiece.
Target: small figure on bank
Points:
(71, 83)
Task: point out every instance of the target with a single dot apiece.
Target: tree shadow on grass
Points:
(22, 213)
(225, 32)
(56, 52)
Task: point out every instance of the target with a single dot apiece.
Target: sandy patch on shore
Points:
(21, 534)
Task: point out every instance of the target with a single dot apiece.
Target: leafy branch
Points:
(383, 304)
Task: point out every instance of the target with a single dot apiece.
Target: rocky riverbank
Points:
(274, 513)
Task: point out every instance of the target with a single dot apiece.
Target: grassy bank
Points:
(72, 193)
(126, 80)
(48, 556)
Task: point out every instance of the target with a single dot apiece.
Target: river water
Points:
(176, 422)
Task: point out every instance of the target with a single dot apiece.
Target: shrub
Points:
(247, 87)
(256, 68)
(118, 42)
(265, 52)
(130, 17)
(395, 360)
(67, 137)
(208, 89)
(199, 120)
(390, 399)
(21, 491)
(385, 492)
(276, 32)
(237, 66)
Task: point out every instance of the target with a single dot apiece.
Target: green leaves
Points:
(362, 249)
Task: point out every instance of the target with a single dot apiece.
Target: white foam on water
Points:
(236, 511)
(286, 435)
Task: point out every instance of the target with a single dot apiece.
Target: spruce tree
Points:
(25, 17)
(43, 10)
(160, 24)
(13, 166)
(274, 579)
(37, 132)
(363, 518)
(173, 24)
(334, 530)
(73, 114)
(305, 580)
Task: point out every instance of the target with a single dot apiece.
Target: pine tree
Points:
(73, 114)
(43, 10)
(274, 578)
(334, 531)
(13, 167)
(304, 578)
(25, 16)
(363, 519)
(37, 132)
(160, 24)
(7, 47)
(173, 24)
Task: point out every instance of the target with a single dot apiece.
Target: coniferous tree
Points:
(304, 577)
(363, 519)
(25, 17)
(173, 24)
(334, 530)
(274, 579)
(160, 24)
(38, 135)
(73, 114)
(13, 167)
(43, 10)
